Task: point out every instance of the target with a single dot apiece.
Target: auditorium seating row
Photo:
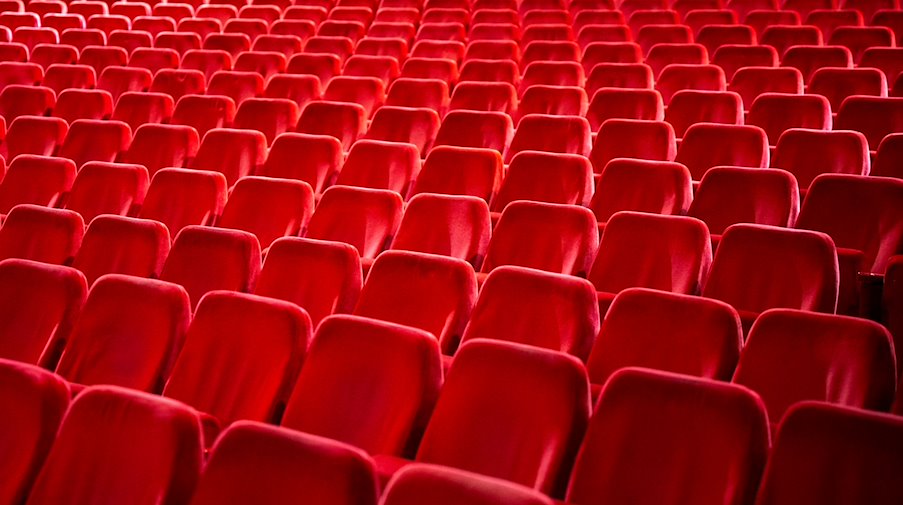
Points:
(505, 411)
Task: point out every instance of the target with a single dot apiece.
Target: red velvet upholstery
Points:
(241, 355)
(536, 308)
(835, 359)
(121, 446)
(449, 225)
(836, 84)
(122, 245)
(381, 165)
(555, 134)
(665, 331)
(318, 167)
(762, 267)
(546, 236)
(440, 485)
(831, 455)
(128, 334)
(204, 112)
(414, 125)
(39, 400)
(92, 140)
(691, 106)
(509, 411)
(180, 197)
(365, 218)
(464, 128)
(39, 302)
(875, 117)
(658, 187)
(776, 113)
(546, 177)
(269, 208)
(624, 103)
(461, 171)
(206, 259)
(107, 188)
(425, 291)
(807, 153)
(368, 383)
(37, 180)
(632, 138)
(233, 153)
(709, 145)
(137, 108)
(254, 462)
(697, 440)
(41, 234)
(344, 121)
(750, 82)
(321, 277)
(270, 116)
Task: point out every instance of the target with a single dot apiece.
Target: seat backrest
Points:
(232, 152)
(270, 116)
(461, 171)
(365, 218)
(318, 167)
(321, 277)
(633, 138)
(159, 146)
(107, 188)
(457, 226)
(380, 165)
(875, 117)
(536, 308)
(658, 187)
(546, 236)
(857, 212)
(678, 76)
(698, 439)
(858, 452)
(670, 253)
(265, 464)
(128, 334)
(706, 145)
(34, 135)
(39, 399)
(555, 134)
(624, 103)
(691, 106)
(241, 356)
(807, 153)
(439, 485)
(762, 267)
(426, 291)
(118, 445)
(122, 245)
(822, 348)
(344, 121)
(41, 234)
(269, 208)
(37, 180)
(750, 82)
(808, 59)
(666, 331)
(731, 195)
(40, 303)
(180, 197)
(204, 113)
(546, 177)
(94, 140)
(205, 259)
(776, 113)
(509, 411)
(368, 383)
(465, 128)
(836, 84)
(888, 160)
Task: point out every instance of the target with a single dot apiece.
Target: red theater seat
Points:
(136, 109)
(425, 291)
(122, 245)
(344, 121)
(180, 197)
(365, 218)
(321, 277)
(657, 187)
(40, 136)
(267, 207)
(776, 113)
(476, 407)
(40, 400)
(708, 145)
(204, 113)
(204, 259)
(545, 236)
(875, 117)
(416, 126)
(632, 138)
(444, 486)
(107, 188)
(731, 195)
(655, 425)
(40, 303)
(232, 152)
(127, 334)
(41, 234)
(103, 454)
(235, 340)
(836, 84)
(807, 153)
(485, 130)
(546, 177)
(535, 308)
(690, 106)
(751, 82)
(760, 267)
(37, 180)
(461, 171)
(258, 462)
